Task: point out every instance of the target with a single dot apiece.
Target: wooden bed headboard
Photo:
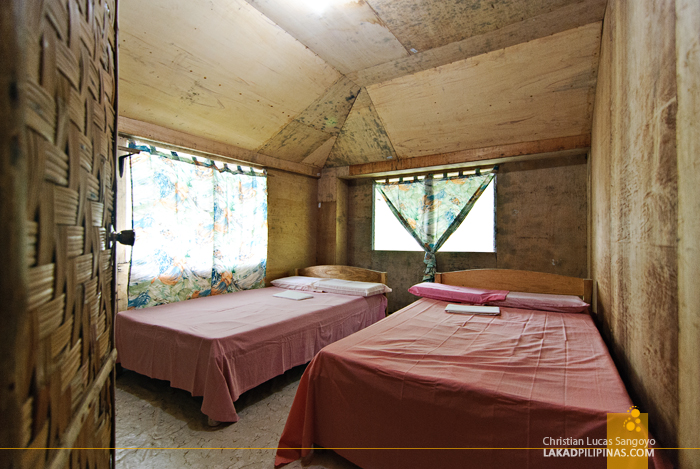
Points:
(344, 272)
(519, 280)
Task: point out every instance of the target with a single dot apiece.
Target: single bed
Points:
(426, 388)
(221, 346)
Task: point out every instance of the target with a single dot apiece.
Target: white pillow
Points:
(297, 283)
(350, 287)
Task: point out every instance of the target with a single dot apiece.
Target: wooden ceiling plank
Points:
(328, 113)
(196, 144)
(553, 147)
(540, 89)
(363, 137)
(294, 142)
(311, 129)
(320, 155)
(347, 34)
(221, 70)
(425, 24)
(556, 21)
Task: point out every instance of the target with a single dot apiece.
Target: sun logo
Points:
(632, 422)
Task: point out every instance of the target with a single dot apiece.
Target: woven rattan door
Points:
(57, 137)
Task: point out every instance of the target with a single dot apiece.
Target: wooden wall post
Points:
(635, 194)
(333, 219)
(688, 139)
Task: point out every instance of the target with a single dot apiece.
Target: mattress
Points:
(219, 347)
(426, 388)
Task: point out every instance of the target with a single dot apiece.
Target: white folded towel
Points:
(472, 309)
(293, 295)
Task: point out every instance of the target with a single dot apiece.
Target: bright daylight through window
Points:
(477, 233)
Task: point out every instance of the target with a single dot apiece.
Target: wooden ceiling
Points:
(362, 80)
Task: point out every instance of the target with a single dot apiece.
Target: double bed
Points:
(426, 388)
(221, 346)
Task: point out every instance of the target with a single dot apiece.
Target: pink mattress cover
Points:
(424, 378)
(219, 347)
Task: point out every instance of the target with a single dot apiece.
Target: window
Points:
(475, 234)
(201, 227)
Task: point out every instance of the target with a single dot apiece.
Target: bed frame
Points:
(343, 272)
(519, 280)
(300, 429)
(323, 271)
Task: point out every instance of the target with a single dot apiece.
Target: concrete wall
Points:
(541, 212)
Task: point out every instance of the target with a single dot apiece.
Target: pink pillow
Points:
(438, 291)
(543, 302)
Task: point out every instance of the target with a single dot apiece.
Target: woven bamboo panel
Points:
(50, 316)
(32, 230)
(60, 338)
(26, 427)
(73, 240)
(70, 97)
(40, 285)
(56, 165)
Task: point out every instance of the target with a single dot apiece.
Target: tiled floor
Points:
(162, 427)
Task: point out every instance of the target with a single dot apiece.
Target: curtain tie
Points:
(430, 267)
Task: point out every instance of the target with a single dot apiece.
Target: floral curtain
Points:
(201, 227)
(431, 209)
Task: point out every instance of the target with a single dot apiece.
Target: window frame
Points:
(492, 186)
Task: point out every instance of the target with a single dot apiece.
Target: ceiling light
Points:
(317, 6)
(320, 6)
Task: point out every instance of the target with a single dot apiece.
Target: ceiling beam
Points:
(175, 138)
(553, 147)
(561, 19)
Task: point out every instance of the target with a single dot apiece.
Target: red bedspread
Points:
(424, 378)
(220, 346)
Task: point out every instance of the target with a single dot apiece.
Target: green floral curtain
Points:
(431, 209)
(201, 228)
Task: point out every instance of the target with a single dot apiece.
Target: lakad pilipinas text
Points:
(598, 452)
(627, 444)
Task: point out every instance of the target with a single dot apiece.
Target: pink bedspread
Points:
(424, 378)
(220, 346)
